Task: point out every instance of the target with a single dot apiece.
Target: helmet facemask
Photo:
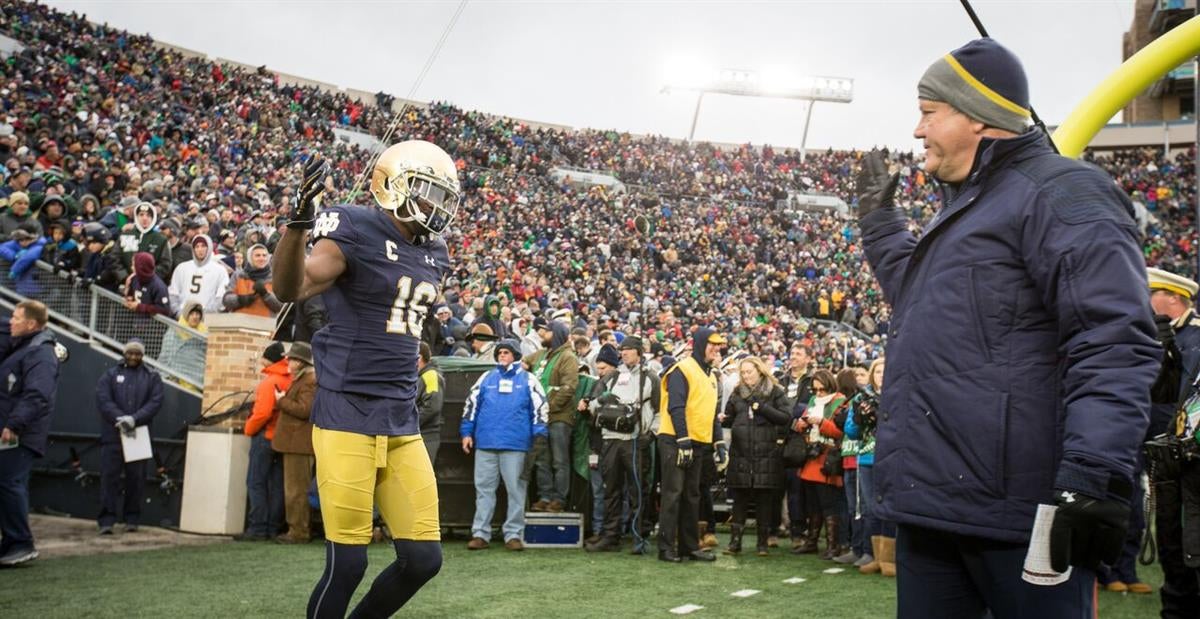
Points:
(423, 198)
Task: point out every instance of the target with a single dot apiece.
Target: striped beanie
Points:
(983, 80)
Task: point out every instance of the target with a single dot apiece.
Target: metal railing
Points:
(100, 316)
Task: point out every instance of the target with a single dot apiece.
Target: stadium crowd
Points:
(167, 178)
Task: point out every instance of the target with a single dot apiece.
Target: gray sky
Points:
(603, 64)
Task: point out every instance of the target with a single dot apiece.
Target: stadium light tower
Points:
(745, 83)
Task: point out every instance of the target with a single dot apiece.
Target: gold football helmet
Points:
(418, 182)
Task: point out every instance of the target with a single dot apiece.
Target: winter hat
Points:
(143, 266)
(983, 80)
(274, 352)
(27, 231)
(608, 354)
(510, 346)
(135, 345)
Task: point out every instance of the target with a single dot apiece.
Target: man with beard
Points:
(557, 368)
(250, 290)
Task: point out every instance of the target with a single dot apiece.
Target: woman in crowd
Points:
(757, 411)
(822, 483)
(852, 532)
(860, 426)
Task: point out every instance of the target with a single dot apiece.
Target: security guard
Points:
(1176, 484)
(688, 416)
(128, 395)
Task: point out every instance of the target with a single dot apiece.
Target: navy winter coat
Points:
(30, 380)
(1022, 348)
(123, 390)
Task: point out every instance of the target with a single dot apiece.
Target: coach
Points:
(1020, 358)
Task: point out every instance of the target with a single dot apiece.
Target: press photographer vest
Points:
(701, 406)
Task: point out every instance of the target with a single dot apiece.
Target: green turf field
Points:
(268, 580)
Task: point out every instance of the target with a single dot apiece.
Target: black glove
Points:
(313, 184)
(1166, 332)
(245, 299)
(874, 188)
(260, 288)
(1086, 531)
(685, 456)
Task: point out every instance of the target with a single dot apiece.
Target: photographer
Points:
(624, 409)
(1175, 476)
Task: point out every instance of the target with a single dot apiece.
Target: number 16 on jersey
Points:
(410, 306)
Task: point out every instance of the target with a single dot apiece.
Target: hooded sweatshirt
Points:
(250, 290)
(678, 388)
(202, 281)
(147, 288)
(148, 240)
(557, 369)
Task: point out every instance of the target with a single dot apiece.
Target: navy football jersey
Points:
(376, 309)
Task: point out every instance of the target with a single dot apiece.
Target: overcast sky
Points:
(603, 64)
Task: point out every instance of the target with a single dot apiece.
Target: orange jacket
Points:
(266, 410)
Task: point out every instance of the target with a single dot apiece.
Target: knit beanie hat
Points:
(274, 352)
(983, 80)
(608, 354)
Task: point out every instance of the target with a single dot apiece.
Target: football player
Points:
(379, 270)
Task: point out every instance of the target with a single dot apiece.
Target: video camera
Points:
(1166, 454)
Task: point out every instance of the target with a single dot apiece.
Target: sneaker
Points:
(131, 528)
(514, 544)
(1116, 586)
(106, 530)
(639, 549)
(540, 506)
(847, 558)
(773, 542)
(477, 543)
(555, 506)
(17, 557)
(863, 560)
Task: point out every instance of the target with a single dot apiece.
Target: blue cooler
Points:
(550, 530)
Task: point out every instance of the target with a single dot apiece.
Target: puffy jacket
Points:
(122, 390)
(266, 407)
(21, 261)
(756, 449)
(505, 421)
(1021, 350)
(30, 372)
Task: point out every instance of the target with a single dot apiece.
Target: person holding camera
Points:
(822, 483)
(624, 408)
(1173, 456)
(757, 412)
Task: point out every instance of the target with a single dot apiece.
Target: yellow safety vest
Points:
(701, 402)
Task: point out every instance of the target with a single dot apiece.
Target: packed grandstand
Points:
(696, 232)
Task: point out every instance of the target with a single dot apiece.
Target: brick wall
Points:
(235, 343)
